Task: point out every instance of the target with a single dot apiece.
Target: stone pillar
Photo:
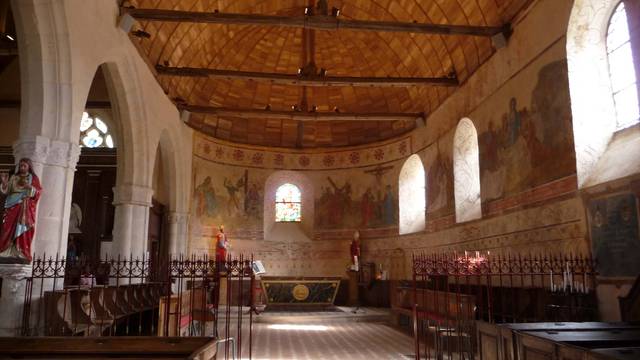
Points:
(12, 299)
(177, 232)
(54, 162)
(131, 220)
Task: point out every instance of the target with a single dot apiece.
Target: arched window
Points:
(288, 203)
(94, 132)
(413, 198)
(466, 172)
(621, 69)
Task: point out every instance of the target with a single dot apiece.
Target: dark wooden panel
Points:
(91, 347)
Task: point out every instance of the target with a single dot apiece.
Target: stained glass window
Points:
(621, 69)
(94, 132)
(288, 203)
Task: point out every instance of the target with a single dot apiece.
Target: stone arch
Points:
(466, 172)
(592, 107)
(412, 196)
(302, 230)
(133, 167)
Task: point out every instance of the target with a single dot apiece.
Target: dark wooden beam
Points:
(300, 115)
(317, 22)
(299, 80)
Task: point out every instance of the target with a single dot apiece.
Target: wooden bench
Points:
(444, 315)
(90, 311)
(132, 347)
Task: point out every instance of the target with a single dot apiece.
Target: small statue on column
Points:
(355, 251)
(18, 223)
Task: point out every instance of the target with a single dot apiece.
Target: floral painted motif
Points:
(328, 160)
(378, 154)
(238, 155)
(304, 161)
(354, 157)
(219, 152)
(278, 159)
(257, 158)
(206, 148)
(402, 148)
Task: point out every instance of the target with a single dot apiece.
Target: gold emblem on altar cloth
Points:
(300, 292)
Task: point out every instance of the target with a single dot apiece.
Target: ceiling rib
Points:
(306, 80)
(315, 22)
(300, 115)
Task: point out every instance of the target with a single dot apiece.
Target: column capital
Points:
(44, 151)
(132, 194)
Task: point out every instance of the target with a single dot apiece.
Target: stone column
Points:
(54, 162)
(178, 232)
(131, 220)
(12, 299)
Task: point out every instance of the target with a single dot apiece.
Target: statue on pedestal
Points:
(222, 244)
(18, 223)
(355, 251)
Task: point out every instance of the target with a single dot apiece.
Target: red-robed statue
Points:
(18, 223)
(222, 245)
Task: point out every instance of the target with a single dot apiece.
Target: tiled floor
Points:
(340, 341)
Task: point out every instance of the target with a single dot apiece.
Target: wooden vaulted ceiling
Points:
(277, 49)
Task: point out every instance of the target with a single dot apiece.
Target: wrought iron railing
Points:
(450, 291)
(120, 296)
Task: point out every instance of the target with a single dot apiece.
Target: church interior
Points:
(320, 179)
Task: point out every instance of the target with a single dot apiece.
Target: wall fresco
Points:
(614, 235)
(527, 147)
(357, 199)
(230, 196)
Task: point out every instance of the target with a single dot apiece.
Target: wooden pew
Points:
(448, 317)
(92, 310)
(567, 341)
(132, 347)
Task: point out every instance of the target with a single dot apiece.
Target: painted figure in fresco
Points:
(233, 205)
(489, 144)
(439, 185)
(222, 245)
(389, 206)
(18, 224)
(206, 198)
(339, 202)
(513, 123)
(252, 202)
(367, 207)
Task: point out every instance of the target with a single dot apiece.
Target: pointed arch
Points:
(412, 196)
(466, 172)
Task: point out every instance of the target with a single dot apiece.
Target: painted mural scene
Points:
(369, 205)
(234, 200)
(320, 179)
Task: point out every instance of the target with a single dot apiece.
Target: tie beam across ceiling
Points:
(300, 115)
(316, 22)
(306, 80)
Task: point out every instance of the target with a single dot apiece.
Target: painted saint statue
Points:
(18, 223)
(222, 245)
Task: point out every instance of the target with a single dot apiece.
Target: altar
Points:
(287, 290)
